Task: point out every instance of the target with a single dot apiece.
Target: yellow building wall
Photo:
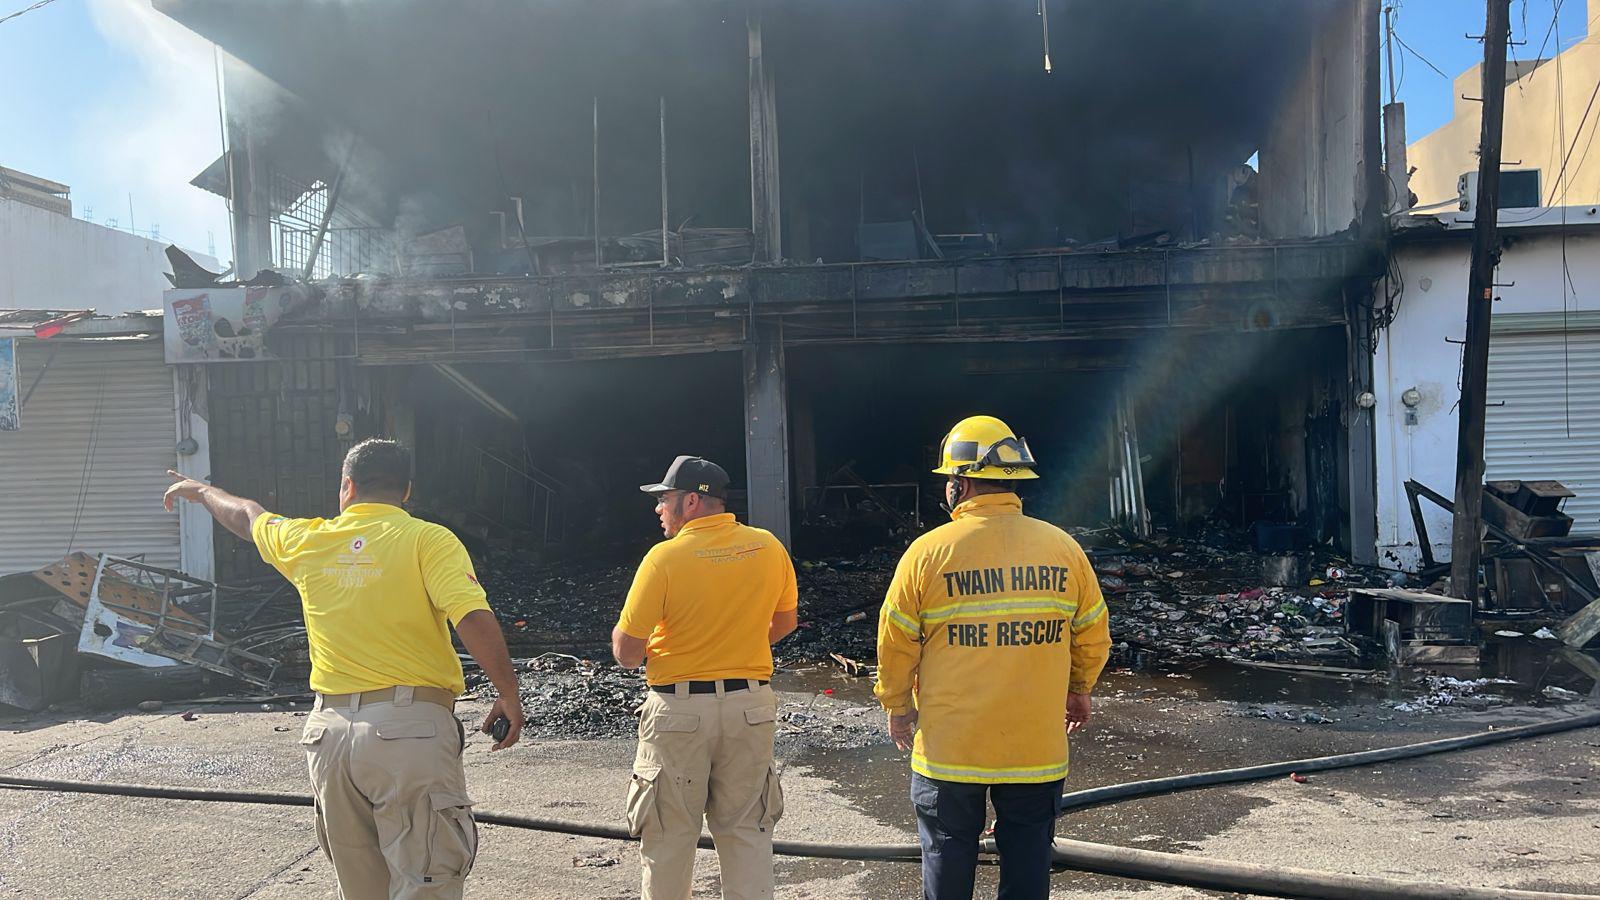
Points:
(1536, 103)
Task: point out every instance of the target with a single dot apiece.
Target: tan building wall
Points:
(1534, 99)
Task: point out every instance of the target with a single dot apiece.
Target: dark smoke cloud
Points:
(871, 93)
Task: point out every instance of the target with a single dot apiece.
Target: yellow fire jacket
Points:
(989, 621)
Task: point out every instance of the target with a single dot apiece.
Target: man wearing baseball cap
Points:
(705, 609)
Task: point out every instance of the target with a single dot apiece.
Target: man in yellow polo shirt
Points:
(705, 609)
(383, 743)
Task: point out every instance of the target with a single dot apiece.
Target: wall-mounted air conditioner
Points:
(1519, 189)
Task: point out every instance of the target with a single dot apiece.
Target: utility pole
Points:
(1388, 46)
(1466, 548)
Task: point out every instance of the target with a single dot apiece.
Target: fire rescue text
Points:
(995, 581)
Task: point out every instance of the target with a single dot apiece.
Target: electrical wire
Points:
(87, 472)
(1564, 181)
(1044, 16)
(1576, 135)
(39, 5)
(1555, 16)
(1511, 47)
(1402, 42)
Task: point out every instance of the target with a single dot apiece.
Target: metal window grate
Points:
(352, 244)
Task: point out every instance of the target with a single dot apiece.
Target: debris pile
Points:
(1267, 624)
(826, 721)
(543, 607)
(1175, 599)
(1443, 690)
(839, 601)
(565, 697)
(113, 632)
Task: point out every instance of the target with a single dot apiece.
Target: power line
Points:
(1577, 134)
(41, 3)
(1414, 52)
(1555, 16)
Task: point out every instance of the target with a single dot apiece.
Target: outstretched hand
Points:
(182, 488)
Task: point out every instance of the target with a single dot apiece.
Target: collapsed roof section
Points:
(531, 135)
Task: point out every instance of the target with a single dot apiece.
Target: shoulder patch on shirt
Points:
(473, 578)
(275, 520)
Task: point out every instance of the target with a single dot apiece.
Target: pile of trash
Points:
(1177, 599)
(566, 697)
(1273, 624)
(824, 721)
(569, 607)
(1442, 690)
(839, 602)
(112, 632)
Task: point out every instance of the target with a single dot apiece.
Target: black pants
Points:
(950, 819)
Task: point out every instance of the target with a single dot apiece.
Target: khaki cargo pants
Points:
(392, 808)
(706, 756)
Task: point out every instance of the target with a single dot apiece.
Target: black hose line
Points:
(887, 852)
(1269, 881)
(1124, 862)
(1114, 793)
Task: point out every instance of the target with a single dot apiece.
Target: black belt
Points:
(706, 687)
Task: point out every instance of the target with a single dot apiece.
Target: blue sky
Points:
(116, 100)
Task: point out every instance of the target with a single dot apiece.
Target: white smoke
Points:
(153, 146)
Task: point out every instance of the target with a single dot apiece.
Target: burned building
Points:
(554, 244)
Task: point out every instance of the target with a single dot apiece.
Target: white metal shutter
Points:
(87, 470)
(1549, 424)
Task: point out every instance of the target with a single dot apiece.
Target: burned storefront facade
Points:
(554, 246)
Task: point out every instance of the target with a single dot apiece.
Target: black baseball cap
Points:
(691, 473)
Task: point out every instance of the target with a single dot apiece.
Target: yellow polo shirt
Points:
(378, 588)
(705, 598)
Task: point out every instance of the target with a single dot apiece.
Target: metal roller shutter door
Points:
(87, 469)
(1544, 414)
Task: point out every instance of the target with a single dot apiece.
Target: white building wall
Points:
(1416, 352)
(52, 261)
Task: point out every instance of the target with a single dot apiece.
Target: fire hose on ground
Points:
(1083, 856)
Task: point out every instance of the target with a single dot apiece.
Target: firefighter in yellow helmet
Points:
(991, 637)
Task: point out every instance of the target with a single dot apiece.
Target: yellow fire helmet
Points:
(985, 447)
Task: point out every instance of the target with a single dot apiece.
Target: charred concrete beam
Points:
(1246, 273)
(766, 438)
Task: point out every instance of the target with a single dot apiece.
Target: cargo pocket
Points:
(312, 736)
(452, 837)
(771, 800)
(643, 795)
